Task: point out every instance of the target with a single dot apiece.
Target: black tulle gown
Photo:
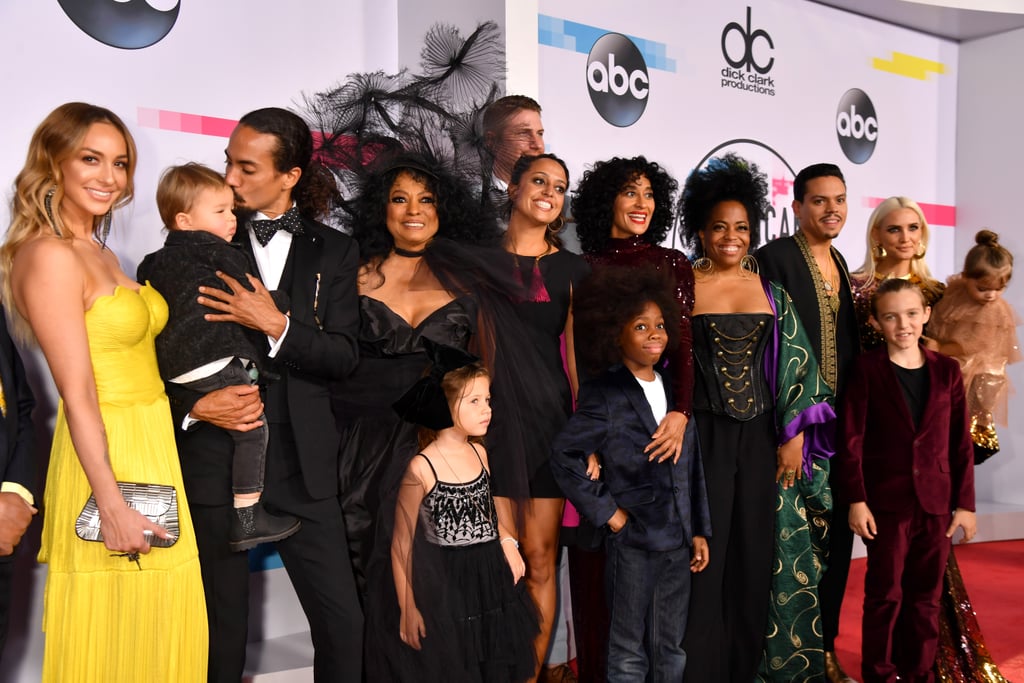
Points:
(375, 443)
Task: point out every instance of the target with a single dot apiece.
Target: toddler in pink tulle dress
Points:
(977, 326)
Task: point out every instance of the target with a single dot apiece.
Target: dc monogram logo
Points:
(753, 52)
(857, 125)
(127, 24)
(617, 80)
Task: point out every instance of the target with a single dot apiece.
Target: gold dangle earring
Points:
(749, 263)
(921, 252)
(105, 222)
(879, 251)
(48, 205)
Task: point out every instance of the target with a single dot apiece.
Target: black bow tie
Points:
(265, 229)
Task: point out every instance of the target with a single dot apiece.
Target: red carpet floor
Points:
(994, 576)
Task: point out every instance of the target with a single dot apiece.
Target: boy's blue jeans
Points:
(648, 599)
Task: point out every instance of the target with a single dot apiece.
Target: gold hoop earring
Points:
(878, 251)
(921, 252)
(555, 226)
(703, 265)
(749, 263)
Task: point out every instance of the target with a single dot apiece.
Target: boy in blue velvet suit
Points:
(656, 511)
(906, 469)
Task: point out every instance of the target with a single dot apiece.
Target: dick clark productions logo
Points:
(127, 24)
(748, 52)
(617, 80)
(857, 125)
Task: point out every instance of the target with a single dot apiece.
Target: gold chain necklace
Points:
(829, 281)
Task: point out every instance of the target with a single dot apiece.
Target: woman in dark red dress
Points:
(623, 212)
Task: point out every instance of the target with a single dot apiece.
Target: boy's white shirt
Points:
(654, 391)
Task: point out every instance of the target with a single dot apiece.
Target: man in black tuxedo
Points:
(17, 467)
(270, 169)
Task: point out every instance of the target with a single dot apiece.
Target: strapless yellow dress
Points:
(106, 618)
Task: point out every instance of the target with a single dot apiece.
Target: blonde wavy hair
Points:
(54, 141)
(918, 266)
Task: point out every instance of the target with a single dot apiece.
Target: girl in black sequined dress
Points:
(460, 610)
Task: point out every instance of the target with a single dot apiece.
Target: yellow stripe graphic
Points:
(909, 66)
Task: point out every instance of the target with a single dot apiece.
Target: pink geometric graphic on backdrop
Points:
(197, 124)
(781, 186)
(182, 122)
(935, 214)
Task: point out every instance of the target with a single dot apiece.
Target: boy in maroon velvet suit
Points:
(907, 472)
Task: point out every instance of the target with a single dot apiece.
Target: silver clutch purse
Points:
(156, 502)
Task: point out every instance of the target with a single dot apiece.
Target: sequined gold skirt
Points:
(962, 655)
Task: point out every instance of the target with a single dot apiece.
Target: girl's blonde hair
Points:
(34, 210)
(988, 258)
(918, 266)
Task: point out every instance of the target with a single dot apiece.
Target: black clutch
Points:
(157, 502)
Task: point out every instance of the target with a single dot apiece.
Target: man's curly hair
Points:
(608, 300)
(726, 178)
(594, 200)
(461, 216)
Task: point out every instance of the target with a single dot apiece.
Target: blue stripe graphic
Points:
(576, 37)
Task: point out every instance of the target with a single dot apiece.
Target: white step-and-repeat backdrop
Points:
(785, 83)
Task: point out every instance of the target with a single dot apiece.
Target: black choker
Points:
(409, 253)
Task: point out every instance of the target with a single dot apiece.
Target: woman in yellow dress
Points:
(117, 610)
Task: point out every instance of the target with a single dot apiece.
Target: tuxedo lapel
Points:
(302, 266)
(302, 271)
(635, 395)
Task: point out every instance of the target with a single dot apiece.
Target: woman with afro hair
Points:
(623, 208)
(764, 422)
(623, 212)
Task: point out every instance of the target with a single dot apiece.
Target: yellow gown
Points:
(105, 618)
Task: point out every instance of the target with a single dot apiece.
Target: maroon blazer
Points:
(884, 460)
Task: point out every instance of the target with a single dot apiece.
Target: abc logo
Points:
(127, 25)
(617, 80)
(857, 125)
(749, 40)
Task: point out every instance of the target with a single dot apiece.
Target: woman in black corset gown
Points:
(405, 204)
(764, 419)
